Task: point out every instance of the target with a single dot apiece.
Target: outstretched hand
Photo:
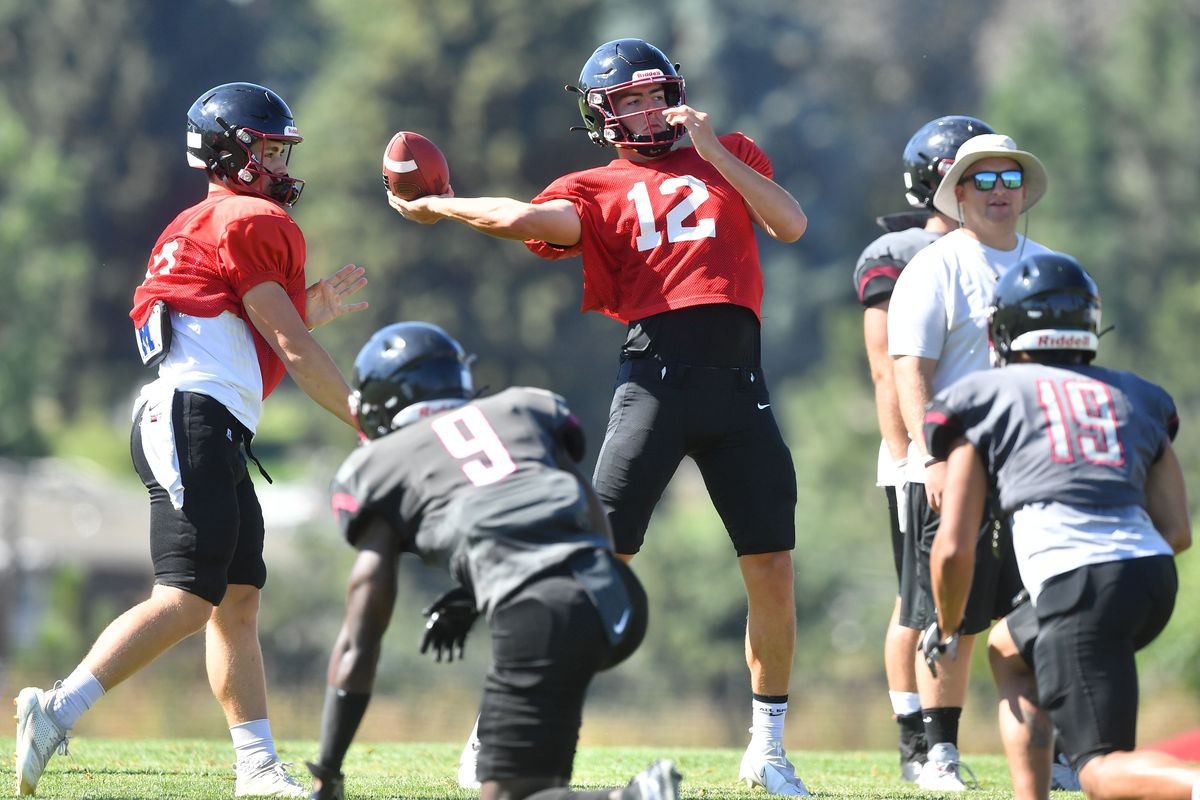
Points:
(418, 210)
(325, 299)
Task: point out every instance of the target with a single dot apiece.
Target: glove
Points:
(450, 619)
(933, 646)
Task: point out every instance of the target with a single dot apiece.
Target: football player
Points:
(486, 489)
(1080, 456)
(926, 158)
(223, 313)
(666, 235)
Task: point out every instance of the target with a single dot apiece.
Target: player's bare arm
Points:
(914, 387)
(887, 404)
(1166, 500)
(326, 298)
(272, 313)
(555, 221)
(773, 207)
(952, 558)
(370, 599)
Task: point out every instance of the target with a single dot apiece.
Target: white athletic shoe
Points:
(766, 765)
(38, 735)
(266, 776)
(467, 763)
(910, 771)
(659, 781)
(943, 772)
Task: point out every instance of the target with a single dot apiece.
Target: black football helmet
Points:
(930, 153)
(618, 65)
(400, 370)
(225, 123)
(1047, 303)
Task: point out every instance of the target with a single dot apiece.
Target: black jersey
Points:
(884, 259)
(1075, 434)
(475, 490)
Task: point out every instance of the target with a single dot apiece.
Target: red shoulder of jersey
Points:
(217, 250)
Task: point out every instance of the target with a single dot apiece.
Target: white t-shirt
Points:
(1053, 538)
(939, 310)
(213, 356)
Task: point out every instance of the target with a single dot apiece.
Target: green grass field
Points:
(195, 769)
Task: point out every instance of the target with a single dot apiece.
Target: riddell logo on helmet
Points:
(1063, 341)
(647, 75)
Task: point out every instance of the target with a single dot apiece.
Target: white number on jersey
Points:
(466, 432)
(163, 260)
(1093, 418)
(697, 194)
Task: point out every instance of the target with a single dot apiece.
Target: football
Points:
(413, 167)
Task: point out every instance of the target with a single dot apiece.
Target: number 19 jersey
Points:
(1076, 434)
(662, 234)
(475, 490)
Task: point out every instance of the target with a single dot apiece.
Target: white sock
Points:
(766, 720)
(905, 702)
(78, 693)
(253, 738)
(1196, 790)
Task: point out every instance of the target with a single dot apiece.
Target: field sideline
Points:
(201, 769)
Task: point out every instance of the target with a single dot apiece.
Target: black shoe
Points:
(332, 783)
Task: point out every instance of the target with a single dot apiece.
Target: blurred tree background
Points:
(92, 102)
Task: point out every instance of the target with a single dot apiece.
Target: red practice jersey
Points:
(215, 252)
(663, 234)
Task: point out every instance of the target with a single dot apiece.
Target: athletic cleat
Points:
(467, 763)
(333, 786)
(910, 771)
(1063, 777)
(943, 772)
(266, 776)
(659, 781)
(766, 765)
(38, 736)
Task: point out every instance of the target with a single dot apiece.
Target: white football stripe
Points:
(399, 166)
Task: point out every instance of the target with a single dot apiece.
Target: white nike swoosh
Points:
(622, 623)
(761, 406)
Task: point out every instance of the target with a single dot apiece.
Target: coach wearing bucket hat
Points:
(937, 333)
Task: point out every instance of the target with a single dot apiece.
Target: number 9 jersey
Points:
(662, 234)
(477, 490)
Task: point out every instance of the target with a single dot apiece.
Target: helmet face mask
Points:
(404, 372)
(1047, 306)
(618, 66)
(930, 153)
(228, 129)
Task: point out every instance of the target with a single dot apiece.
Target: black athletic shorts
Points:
(722, 418)
(1090, 622)
(206, 525)
(994, 584)
(898, 539)
(547, 643)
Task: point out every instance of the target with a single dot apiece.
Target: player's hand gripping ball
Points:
(413, 167)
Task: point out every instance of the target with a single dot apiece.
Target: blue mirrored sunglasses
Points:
(986, 181)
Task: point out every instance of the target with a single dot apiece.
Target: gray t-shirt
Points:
(1067, 449)
(475, 490)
